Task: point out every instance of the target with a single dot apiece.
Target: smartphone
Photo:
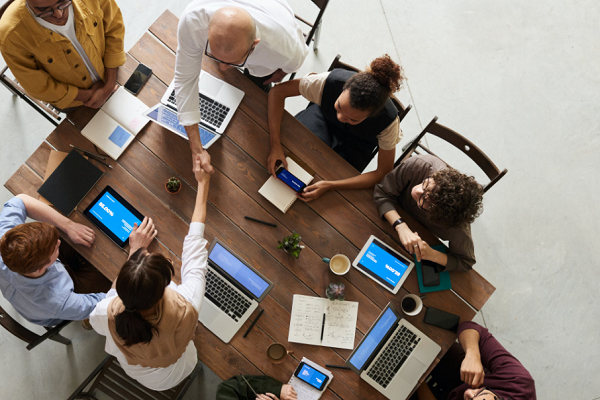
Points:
(289, 179)
(136, 81)
(311, 376)
(441, 319)
(431, 276)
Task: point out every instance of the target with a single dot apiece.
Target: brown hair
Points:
(28, 247)
(140, 285)
(370, 89)
(454, 199)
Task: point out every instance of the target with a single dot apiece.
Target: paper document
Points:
(280, 194)
(303, 389)
(307, 322)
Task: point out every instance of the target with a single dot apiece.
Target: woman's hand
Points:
(314, 191)
(410, 240)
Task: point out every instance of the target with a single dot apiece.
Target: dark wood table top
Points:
(338, 222)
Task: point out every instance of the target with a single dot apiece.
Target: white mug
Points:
(418, 304)
(339, 264)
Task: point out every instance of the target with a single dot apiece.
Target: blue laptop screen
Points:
(167, 117)
(238, 270)
(373, 339)
(118, 219)
(383, 265)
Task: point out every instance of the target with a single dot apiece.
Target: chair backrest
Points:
(32, 339)
(322, 5)
(461, 143)
(4, 7)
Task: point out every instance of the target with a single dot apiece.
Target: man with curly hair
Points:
(439, 197)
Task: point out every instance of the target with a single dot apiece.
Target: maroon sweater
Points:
(507, 377)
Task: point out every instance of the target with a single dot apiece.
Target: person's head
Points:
(366, 93)
(30, 248)
(452, 199)
(53, 11)
(140, 285)
(231, 36)
(481, 394)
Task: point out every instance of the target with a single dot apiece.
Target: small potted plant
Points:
(336, 291)
(173, 185)
(291, 244)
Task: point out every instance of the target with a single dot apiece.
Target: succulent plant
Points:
(173, 185)
(336, 291)
(291, 244)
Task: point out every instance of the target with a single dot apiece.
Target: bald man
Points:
(262, 37)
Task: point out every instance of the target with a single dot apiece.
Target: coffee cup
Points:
(411, 304)
(276, 353)
(338, 264)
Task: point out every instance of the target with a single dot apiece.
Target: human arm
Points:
(142, 235)
(78, 306)
(99, 316)
(471, 369)
(277, 76)
(78, 233)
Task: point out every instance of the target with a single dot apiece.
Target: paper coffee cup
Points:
(411, 304)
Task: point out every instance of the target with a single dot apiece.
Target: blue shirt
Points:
(49, 299)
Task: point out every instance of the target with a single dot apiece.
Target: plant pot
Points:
(168, 191)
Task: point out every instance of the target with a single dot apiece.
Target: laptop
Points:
(218, 101)
(233, 291)
(393, 355)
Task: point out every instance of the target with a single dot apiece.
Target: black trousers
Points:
(86, 278)
(258, 81)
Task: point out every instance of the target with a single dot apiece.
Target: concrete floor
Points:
(520, 79)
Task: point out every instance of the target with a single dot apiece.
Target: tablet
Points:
(383, 264)
(113, 215)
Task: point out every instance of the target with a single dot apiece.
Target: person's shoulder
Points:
(11, 25)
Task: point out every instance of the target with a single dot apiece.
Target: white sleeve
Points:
(194, 266)
(188, 64)
(99, 317)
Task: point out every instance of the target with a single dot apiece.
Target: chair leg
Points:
(52, 334)
(317, 36)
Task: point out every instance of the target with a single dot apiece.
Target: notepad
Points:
(280, 194)
(307, 322)
(303, 390)
(116, 124)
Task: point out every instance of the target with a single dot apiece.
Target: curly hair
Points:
(370, 89)
(455, 199)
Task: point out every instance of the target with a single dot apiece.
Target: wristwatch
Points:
(397, 222)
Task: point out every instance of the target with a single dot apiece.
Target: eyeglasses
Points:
(484, 389)
(423, 196)
(58, 6)
(206, 53)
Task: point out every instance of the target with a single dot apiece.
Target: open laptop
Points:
(393, 355)
(218, 101)
(233, 291)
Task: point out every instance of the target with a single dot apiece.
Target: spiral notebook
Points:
(278, 193)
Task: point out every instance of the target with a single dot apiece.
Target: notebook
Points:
(54, 160)
(278, 193)
(70, 182)
(116, 124)
(444, 276)
(313, 317)
(303, 389)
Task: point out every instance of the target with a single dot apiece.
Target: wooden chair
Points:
(47, 110)
(116, 384)
(461, 143)
(32, 339)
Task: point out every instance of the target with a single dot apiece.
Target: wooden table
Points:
(338, 222)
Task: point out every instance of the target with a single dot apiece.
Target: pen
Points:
(323, 327)
(87, 153)
(102, 162)
(253, 322)
(337, 366)
(260, 222)
(248, 383)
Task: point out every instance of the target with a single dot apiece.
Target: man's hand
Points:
(314, 191)
(199, 173)
(276, 77)
(471, 371)
(410, 240)
(80, 234)
(204, 160)
(288, 393)
(142, 236)
(99, 96)
(275, 155)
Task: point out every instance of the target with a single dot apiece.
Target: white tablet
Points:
(383, 264)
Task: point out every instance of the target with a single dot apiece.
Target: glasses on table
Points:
(209, 55)
(423, 197)
(58, 6)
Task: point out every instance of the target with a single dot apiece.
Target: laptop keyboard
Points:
(211, 112)
(393, 357)
(229, 300)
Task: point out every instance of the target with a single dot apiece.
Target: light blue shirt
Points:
(49, 299)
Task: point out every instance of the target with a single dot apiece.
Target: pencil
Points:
(260, 222)
(337, 366)
(87, 153)
(323, 327)
(253, 322)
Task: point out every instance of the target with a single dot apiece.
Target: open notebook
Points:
(280, 194)
(116, 124)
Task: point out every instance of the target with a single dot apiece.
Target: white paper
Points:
(280, 194)
(307, 322)
(303, 389)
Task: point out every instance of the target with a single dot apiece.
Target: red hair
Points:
(28, 247)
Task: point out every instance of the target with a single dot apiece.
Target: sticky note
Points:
(119, 136)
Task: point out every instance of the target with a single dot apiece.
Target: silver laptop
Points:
(233, 291)
(218, 101)
(393, 355)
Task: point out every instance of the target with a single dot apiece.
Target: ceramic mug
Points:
(276, 353)
(339, 264)
(411, 304)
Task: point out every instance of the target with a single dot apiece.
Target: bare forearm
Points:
(362, 181)
(275, 115)
(110, 77)
(194, 137)
(438, 257)
(44, 213)
(469, 340)
(199, 214)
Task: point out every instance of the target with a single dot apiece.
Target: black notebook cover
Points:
(70, 182)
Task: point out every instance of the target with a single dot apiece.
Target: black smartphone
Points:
(441, 319)
(431, 276)
(136, 81)
(311, 376)
(289, 179)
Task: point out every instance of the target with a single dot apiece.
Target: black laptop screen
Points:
(370, 343)
(238, 270)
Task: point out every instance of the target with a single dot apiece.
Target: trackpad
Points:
(208, 313)
(413, 369)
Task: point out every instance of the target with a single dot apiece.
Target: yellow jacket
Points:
(46, 64)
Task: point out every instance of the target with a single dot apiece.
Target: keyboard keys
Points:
(211, 112)
(225, 297)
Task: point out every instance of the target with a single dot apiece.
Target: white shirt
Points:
(68, 30)
(193, 283)
(281, 46)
